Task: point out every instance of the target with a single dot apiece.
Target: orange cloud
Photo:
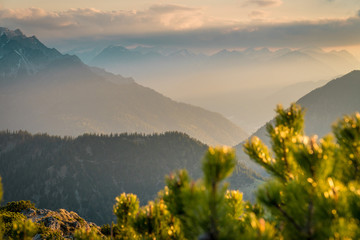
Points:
(175, 25)
(263, 3)
(91, 21)
(257, 14)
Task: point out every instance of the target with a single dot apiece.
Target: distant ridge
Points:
(42, 90)
(239, 84)
(329, 103)
(323, 106)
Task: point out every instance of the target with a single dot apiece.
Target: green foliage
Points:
(106, 229)
(18, 206)
(288, 126)
(127, 205)
(112, 231)
(347, 133)
(88, 234)
(180, 195)
(218, 164)
(314, 192)
(21, 230)
(14, 224)
(9, 217)
(125, 209)
(235, 204)
(7, 220)
(48, 233)
(206, 210)
(193, 210)
(154, 221)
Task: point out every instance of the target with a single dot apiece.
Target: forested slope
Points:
(86, 173)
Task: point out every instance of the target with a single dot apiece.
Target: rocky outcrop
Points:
(62, 222)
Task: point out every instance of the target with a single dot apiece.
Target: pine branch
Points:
(285, 158)
(289, 218)
(309, 219)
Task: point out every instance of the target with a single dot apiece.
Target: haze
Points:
(270, 45)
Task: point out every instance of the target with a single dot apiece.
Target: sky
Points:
(193, 24)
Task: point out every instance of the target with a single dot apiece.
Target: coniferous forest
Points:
(312, 192)
(86, 173)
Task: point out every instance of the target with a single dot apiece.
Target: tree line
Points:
(313, 191)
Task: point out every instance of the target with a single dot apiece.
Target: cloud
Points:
(89, 21)
(325, 33)
(178, 26)
(263, 3)
(177, 17)
(166, 8)
(257, 14)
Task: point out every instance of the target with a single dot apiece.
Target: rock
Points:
(29, 212)
(51, 223)
(61, 221)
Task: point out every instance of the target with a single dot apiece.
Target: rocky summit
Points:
(61, 221)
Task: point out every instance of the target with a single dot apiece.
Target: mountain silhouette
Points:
(43, 90)
(323, 106)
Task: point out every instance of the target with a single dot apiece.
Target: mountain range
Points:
(42, 90)
(140, 61)
(235, 83)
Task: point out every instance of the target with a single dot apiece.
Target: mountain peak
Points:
(117, 48)
(9, 33)
(18, 32)
(21, 56)
(183, 53)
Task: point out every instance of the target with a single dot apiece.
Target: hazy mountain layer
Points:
(45, 91)
(85, 174)
(323, 106)
(237, 84)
